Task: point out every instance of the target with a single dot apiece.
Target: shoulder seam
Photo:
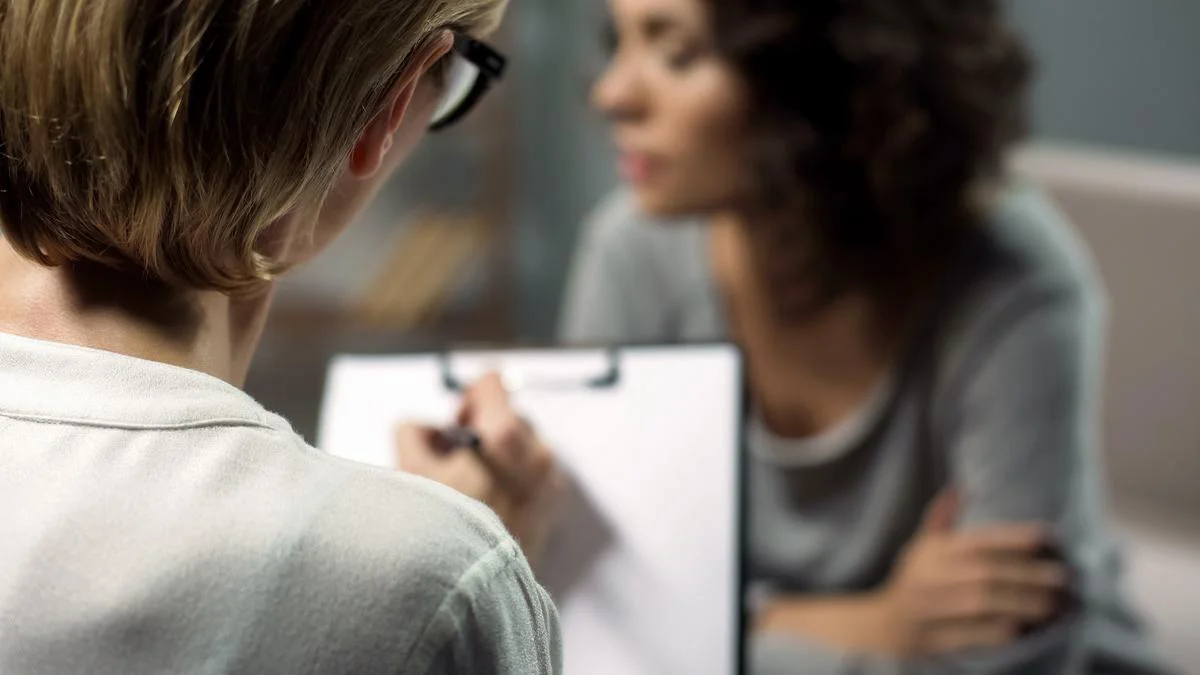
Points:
(134, 426)
(507, 553)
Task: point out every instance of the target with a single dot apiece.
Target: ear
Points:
(376, 139)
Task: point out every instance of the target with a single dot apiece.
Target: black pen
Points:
(459, 438)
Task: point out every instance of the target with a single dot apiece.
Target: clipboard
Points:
(646, 563)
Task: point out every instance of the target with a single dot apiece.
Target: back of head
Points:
(165, 136)
(878, 126)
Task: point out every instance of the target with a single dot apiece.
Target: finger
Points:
(527, 473)
(507, 442)
(542, 509)
(413, 446)
(959, 636)
(556, 488)
(419, 452)
(487, 393)
(1025, 538)
(941, 512)
(463, 472)
(488, 410)
(1019, 571)
(540, 458)
(997, 601)
(510, 447)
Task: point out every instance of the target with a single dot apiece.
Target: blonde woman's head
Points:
(168, 137)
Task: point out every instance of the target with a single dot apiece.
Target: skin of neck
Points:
(852, 315)
(808, 374)
(90, 306)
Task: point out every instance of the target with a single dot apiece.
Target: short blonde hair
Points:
(164, 136)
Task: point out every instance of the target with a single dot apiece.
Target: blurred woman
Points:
(823, 182)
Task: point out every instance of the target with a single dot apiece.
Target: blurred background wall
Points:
(1117, 72)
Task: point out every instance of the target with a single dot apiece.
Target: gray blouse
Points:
(997, 398)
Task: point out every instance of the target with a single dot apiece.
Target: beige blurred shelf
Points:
(427, 262)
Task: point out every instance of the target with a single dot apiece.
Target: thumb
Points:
(486, 394)
(942, 512)
(414, 447)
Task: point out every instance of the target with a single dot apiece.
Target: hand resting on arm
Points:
(951, 591)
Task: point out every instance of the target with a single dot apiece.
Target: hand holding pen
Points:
(492, 455)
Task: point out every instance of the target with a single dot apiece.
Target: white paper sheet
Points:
(644, 565)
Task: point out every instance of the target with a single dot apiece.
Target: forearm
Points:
(850, 623)
(839, 635)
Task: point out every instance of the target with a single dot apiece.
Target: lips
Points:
(638, 167)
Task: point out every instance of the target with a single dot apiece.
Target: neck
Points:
(89, 306)
(752, 252)
(841, 337)
(805, 375)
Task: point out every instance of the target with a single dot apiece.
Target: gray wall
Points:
(565, 162)
(1117, 72)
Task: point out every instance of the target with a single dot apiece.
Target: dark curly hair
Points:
(876, 124)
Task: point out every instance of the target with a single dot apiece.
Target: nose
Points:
(619, 93)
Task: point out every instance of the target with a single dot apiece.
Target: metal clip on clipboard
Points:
(519, 379)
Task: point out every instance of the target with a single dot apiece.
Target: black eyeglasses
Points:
(474, 67)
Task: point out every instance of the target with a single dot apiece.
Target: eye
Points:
(682, 52)
(681, 58)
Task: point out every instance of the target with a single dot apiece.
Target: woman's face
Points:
(677, 110)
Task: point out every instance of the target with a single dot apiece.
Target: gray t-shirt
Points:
(997, 398)
(157, 520)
